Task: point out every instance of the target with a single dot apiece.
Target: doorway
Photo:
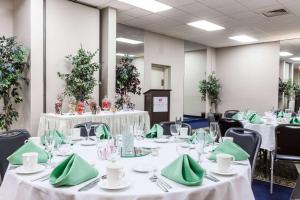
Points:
(160, 76)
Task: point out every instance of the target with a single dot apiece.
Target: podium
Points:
(157, 103)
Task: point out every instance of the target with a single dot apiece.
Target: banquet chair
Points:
(287, 137)
(227, 123)
(166, 126)
(10, 141)
(247, 139)
(230, 113)
(83, 132)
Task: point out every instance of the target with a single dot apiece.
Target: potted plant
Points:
(13, 65)
(80, 82)
(127, 81)
(288, 89)
(210, 89)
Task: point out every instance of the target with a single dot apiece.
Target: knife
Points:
(212, 178)
(40, 178)
(89, 185)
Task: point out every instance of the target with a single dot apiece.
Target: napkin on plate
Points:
(184, 170)
(255, 119)
(102, 132)
(72, 171)
(238, 116)
(200, 134)
(280, 114)
(294, 120)
(231, 148)
(155, 132)
(16, 157)
(58, 137)
(249, 115)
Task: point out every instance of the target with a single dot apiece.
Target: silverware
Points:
(212, 178)
(155, 180)
(161, 187)
(40, 178)
(91, 184)
(239, 163)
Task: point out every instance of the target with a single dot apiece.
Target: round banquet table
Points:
(236, 187)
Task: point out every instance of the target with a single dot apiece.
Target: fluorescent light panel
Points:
(243, 38)
(150, 5)
(285, 54)
(129, 41)
(206, 25)
(295, 58)
(123, 54)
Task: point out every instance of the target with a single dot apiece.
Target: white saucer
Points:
(161, 140)
(77, 138)
(230, 172)
(88, 143)
(66, 154)
(104, 185)
(143, 168)
(150, 146)
(183, 136)
(21, 170)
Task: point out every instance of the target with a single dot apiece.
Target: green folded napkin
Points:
(184, 170)
(155, 132)
(102, 132)
(16, 157)
(294, 120)
(280, 114)
(200, 134)
(238, 116)
(249, 115)
(72, 171)
(255, 119)
(58, 137)
(230, 148)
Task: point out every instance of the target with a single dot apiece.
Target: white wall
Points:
(6, 17)
(249, 76)
(195, 68)
(159, 49)
(69, 25)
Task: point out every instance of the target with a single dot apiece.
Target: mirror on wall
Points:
(130, 41)
(195, 69)
(289, 75)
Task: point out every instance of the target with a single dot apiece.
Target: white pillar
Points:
(108, 53)
(210, 68)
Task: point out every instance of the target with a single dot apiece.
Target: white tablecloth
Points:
(114, 120)
(237, 187)
(267, 132)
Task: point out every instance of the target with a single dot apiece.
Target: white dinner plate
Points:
(88, 143)
(161, 140)
(104, 185)
(230, 172)
(77, 138)
(183, 136)
(143, 168)
(21, 170)
(64, 154)
(150, 146)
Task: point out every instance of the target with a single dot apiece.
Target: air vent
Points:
(277, 12)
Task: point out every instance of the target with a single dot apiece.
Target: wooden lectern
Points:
(157, 103)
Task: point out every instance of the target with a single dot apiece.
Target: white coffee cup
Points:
(224, 162)
(76, 133)
(227, 139)
(30, 160)
(115, 173)
(184, 131)
(35, 140)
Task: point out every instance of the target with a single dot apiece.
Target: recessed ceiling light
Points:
(285, 54)
(129, 41)
(123, 54)
(243, 38)
(206, 25)
(295, 58)
(150, 5)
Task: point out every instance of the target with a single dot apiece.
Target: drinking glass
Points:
(174, 131)
(200, 144)
(49, 143)
(213, 131)
(139, 130)
(178, 123)
(88, 127)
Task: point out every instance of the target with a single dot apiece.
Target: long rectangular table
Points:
(116, 121)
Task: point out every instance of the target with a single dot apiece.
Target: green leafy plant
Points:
(81, 81)
(210, 88)
(288, 88)
(13, 65)
(127, 81)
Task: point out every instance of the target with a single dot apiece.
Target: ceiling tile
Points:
(176, 3)
(136, 12)
(178, 15)
(200, 10)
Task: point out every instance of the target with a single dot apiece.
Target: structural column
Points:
(108, 53)
(210, 68)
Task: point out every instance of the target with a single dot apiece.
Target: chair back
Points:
(227, 123)
(83, 132)
(166, 127)
(247, 139)
(230, 113)
(287, 140)
(10, 141)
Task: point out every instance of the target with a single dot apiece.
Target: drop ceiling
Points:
(237, 16)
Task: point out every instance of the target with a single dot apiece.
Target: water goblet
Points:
(88, 127)
(174, 131)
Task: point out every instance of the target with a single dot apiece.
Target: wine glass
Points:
(213, 131)
(174, 131)
(88, 127)
(178, 123)
(139, 130)
(49, 143)
(200, 144)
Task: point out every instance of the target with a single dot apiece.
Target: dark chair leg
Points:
(265, 157)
